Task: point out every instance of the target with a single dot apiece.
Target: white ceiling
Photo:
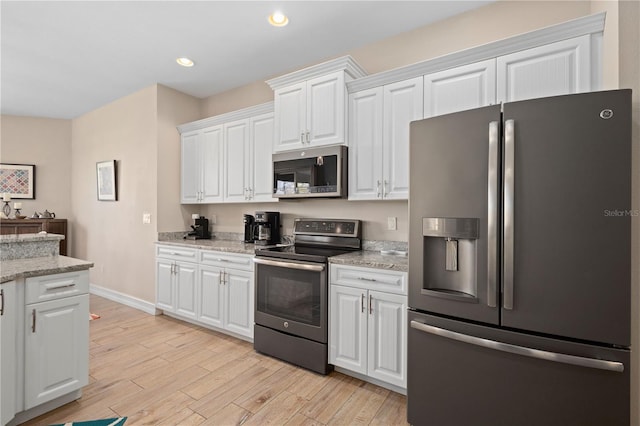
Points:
(61, 59)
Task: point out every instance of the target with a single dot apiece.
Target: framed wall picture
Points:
(18, 180)
(106, 179)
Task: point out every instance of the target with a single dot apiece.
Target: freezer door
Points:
(466, 374)
(567, 224)
(454, 211)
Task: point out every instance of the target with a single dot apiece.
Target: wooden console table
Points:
(33, 226)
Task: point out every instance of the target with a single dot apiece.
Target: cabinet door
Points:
(365, 144)
(403, 103)
(190, 176)
(261, 166)
(211, 163)
(290, 116)
(557, 68)
(185, 284)
(236, 154)
(387, 338)
(164, 285)
(457, 89)
(56, 342)
(326, 109)
(8, 356)
(348, 328)
(239, 296)
(210, 296)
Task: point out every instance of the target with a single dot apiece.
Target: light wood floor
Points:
(160, 371)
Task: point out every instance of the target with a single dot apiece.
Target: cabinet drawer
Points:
(177, 253)
(226, 260)
(56, 286)
(369, 278)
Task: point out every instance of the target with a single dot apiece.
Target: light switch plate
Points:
(392, 223)
(146, 218)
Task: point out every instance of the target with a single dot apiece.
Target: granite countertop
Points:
(228, 246)
(36, 266)
(20, 238)
(373, 259)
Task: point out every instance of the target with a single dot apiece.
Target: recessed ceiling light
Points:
(185, 62)
(278, 19)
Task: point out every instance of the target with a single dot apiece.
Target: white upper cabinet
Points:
(460, 88)
(227, 158)
(260, 165)
(310, 105)
(557, 68)
(201, 166)
(379, 139)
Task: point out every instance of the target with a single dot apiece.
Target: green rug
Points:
(119, 421)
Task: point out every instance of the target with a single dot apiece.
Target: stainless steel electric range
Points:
(291, 314)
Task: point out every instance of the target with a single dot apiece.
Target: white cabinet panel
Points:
(326, 109)
(210, 296)
(9, 308)
(365, 144)
(558, 68)
(211, 155)
(387, 338)
(260, 165)
(190, 167)
(236, 160)
(348, 328)
(290, 112)
(403, 103)
(164, 284)
(461, 88)
(185, 284)
(239, 302)
(56, 348)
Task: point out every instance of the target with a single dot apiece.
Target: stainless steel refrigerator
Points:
(520, 264)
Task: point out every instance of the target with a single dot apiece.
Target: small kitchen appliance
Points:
(200, 230)
(292, 286)
(249, 228)
(267, 228)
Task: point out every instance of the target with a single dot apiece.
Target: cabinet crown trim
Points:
(577, 27)
(216, 120)
(344, 63)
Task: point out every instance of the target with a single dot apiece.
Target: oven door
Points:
(291, 297)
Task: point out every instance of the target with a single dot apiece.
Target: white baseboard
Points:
(125, 299)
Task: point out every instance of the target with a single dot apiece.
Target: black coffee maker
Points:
(249, 228)
(200, 230)
(267, 228)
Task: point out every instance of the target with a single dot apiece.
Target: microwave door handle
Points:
(509, 214)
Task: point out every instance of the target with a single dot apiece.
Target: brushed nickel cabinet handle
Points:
(33, 320)
(362, 303)
(370, 304)
(1, 302)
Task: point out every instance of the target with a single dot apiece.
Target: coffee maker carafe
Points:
(267, 227)
(249, 228)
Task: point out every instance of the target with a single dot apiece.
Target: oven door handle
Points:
(304, 266)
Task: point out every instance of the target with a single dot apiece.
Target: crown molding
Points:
(216, 120)
(577, 27)
(344, 63)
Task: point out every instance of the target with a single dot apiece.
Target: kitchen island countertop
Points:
(36, 266)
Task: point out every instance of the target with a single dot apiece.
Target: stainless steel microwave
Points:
(311, 173)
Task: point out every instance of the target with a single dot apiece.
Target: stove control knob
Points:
(286, 324)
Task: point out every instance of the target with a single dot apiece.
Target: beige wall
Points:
(111, 234)
(45, 142)
(629, 75)
(174, 108)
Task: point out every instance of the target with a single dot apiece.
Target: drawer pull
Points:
(367, 279)
(33, 320)
(66, 284)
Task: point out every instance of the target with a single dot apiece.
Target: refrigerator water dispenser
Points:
(450, 252)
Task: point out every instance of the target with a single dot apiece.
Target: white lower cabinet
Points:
(216, 289)
(367, 322)
(9, 309)
(56, 348)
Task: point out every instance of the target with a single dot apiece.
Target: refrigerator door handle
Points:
(521, 350)
(492, 216)
(509, 192)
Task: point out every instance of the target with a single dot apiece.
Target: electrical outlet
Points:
(213, 219)
(146, 218)
(392, 223)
